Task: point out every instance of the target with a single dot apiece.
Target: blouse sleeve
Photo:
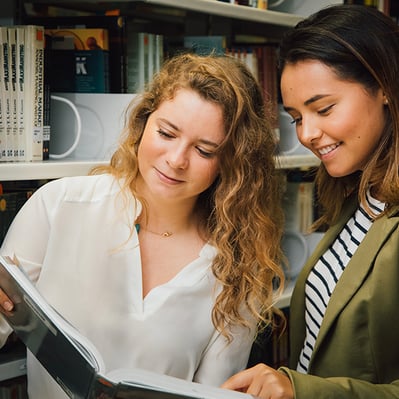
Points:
(26, 240)
(221, 359)
(27, 237)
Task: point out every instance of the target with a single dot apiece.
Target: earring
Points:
(385, 101)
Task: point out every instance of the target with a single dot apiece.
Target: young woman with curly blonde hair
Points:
(166, 258)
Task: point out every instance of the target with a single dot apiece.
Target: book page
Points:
(70, 358)
(145, 379)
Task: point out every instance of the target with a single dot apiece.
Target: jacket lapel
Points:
(297, 319)
(355, 272)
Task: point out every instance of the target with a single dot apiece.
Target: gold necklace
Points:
(165, 234)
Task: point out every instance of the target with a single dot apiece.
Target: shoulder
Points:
(80, 188)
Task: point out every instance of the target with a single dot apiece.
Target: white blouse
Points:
(72, 238)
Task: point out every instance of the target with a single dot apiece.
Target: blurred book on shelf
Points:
(78, 60)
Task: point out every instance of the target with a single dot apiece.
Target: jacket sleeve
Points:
(313, 387)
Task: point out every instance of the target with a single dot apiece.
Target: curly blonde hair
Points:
(241, 211)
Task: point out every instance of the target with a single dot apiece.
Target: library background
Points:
(94, 56)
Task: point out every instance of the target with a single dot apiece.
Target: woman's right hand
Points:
(262, 382)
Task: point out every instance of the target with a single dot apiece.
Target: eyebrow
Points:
(203, 141)
(309, 101)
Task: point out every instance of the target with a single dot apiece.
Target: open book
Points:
(74, 362)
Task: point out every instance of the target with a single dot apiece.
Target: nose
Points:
(178, 158)
(309, 131)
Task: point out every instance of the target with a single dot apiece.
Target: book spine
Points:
(20, 34)
(13, 133)
(6, 91)
(3, 50)
(34, 91)
(47, 101)
(92, 72)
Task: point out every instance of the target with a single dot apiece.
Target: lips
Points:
(168, 179)
(327, 149)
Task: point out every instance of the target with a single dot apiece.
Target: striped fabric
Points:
(324, 276)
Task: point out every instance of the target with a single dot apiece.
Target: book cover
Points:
(75, 363)
(81, 38)
(34, 92)
(78, 60)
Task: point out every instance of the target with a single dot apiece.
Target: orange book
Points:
(79, 39)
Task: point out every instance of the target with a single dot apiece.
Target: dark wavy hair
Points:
(360, 44)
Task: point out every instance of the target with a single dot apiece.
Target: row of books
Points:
(112, 52)
(87, 60)
(22, 97)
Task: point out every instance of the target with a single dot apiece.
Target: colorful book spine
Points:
(34, 92)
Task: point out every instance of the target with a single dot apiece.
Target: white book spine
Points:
(34, 92)
(3, 47)
(21, 92)
(6, 96)
(12, 51)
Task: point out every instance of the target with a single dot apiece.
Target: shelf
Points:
(12, 361)
(45, 170)
(12, 368)
(209, 7)
(56, 169)
(215, 17)
(243, 13)
(297, 161)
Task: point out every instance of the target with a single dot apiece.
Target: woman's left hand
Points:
(261, 381)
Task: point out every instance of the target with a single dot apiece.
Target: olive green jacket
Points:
(356, 354)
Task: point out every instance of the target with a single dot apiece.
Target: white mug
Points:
(78, 129)
(295, 248)
(101, 119)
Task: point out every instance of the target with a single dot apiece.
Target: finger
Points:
(5, 301)
(239, 381)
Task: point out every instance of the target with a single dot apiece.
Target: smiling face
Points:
(177, 153)
(338, 120)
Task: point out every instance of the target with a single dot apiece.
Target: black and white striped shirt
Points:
(325, 274)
